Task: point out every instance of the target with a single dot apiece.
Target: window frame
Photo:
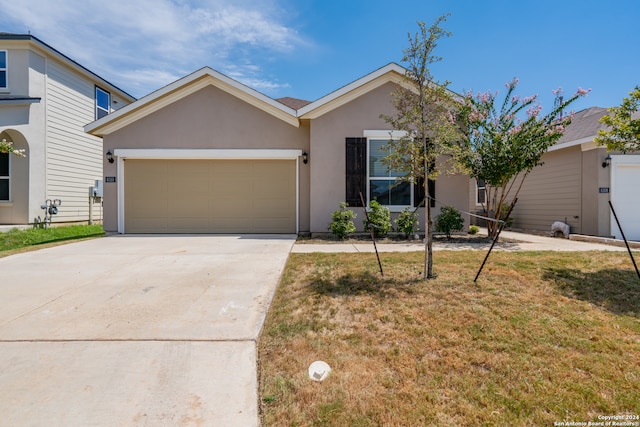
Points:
(98, 107)
(479, 188)
(5, 69)
(7, 177)
(385, 136)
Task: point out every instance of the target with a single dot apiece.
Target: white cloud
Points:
(139, 44)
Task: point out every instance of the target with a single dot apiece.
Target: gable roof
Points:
(290, 110)
(28, 38)
(182, 88)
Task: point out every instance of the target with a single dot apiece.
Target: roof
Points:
(294, 103)
(64, 58)
(290, 110)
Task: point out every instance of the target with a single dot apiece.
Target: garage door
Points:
(625, 197)
(210, 196)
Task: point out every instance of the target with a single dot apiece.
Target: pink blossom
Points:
(534, 110)
(513, 83)
(582, 92)
(515, 99)
(557, 91)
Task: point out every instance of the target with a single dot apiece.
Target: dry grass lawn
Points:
(543, 337)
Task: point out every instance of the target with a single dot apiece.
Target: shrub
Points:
(379, 219)
(449, 220)
(407, 222)
(474, 229)
(342, 221)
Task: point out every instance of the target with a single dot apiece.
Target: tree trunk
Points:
(428, 225)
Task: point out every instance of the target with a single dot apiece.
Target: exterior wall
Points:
(328, 162)
(209, 118)
(74, 158)
(595, 207)
(552, 192)
(63, 161)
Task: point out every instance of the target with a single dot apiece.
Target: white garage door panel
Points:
(210, 196)
(626, 200)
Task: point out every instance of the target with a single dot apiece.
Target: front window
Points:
(103, 100)
(481, 192)
(4, 177)
(385, 185)
(3, 69)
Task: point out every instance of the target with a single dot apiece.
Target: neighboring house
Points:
(207, 154)
(45, 101)
(576, 183)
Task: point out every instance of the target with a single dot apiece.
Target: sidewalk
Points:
(527, 242)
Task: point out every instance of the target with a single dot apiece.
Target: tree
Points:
(423, 115)
(7, 147)
(624, 134)
(503, 143)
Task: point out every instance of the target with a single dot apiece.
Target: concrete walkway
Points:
(526, 242)
(136, 330)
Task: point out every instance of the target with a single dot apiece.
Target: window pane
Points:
(102, 99)
(100, 113)
(3, 79)
(482, 194)
(388, 192)
(4, 164)
(3, 59)
(376, 154)
(4, 189)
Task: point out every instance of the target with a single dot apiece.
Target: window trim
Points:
(5, 88)
(384, 135)
(98, 107)
(7, 178)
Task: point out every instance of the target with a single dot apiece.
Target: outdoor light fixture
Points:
(607, 161)
(305, 157)
(109, 156)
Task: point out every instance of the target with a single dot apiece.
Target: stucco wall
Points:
(208, 118)
(327, 157)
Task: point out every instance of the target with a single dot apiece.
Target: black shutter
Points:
(356, 178)
(419, 192)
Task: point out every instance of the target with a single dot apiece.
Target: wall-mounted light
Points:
(607, 161)
(305, 157)
(109, 156)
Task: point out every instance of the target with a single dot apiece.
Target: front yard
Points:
(542, 338)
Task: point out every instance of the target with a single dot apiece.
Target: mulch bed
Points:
(324, 238)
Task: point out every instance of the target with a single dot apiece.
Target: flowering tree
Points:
(504, 142)
(7, 147)
(423, 114)
(624, 134)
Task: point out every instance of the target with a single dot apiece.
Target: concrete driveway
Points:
(136, 330)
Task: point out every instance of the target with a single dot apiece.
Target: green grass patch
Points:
(15, 239)
(543, 337)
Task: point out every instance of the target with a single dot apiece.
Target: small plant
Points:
(379, 219)
(474, 229)
(449, 220)
(503, 215)
(407, 222)
(342, 221)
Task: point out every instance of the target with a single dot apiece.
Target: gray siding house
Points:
(576, 183)
(45, 100)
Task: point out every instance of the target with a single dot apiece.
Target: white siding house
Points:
(46, 99)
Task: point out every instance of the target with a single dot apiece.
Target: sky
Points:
(309, 48)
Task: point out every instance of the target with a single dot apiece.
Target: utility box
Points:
(96, 190)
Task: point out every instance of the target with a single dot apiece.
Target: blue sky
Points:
(309, 48)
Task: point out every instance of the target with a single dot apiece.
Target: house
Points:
(45, 100)
(207, 154)
(576, 183)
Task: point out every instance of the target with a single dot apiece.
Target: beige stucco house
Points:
(207, 154)
(46, 99)
(576, 183)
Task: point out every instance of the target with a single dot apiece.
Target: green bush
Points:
(342, 221)
(474, 229)
(379, 219)
(449, 220)
(407, 222)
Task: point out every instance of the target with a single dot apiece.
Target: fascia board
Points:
(182, 88)
(207, 153)
(573, 143)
